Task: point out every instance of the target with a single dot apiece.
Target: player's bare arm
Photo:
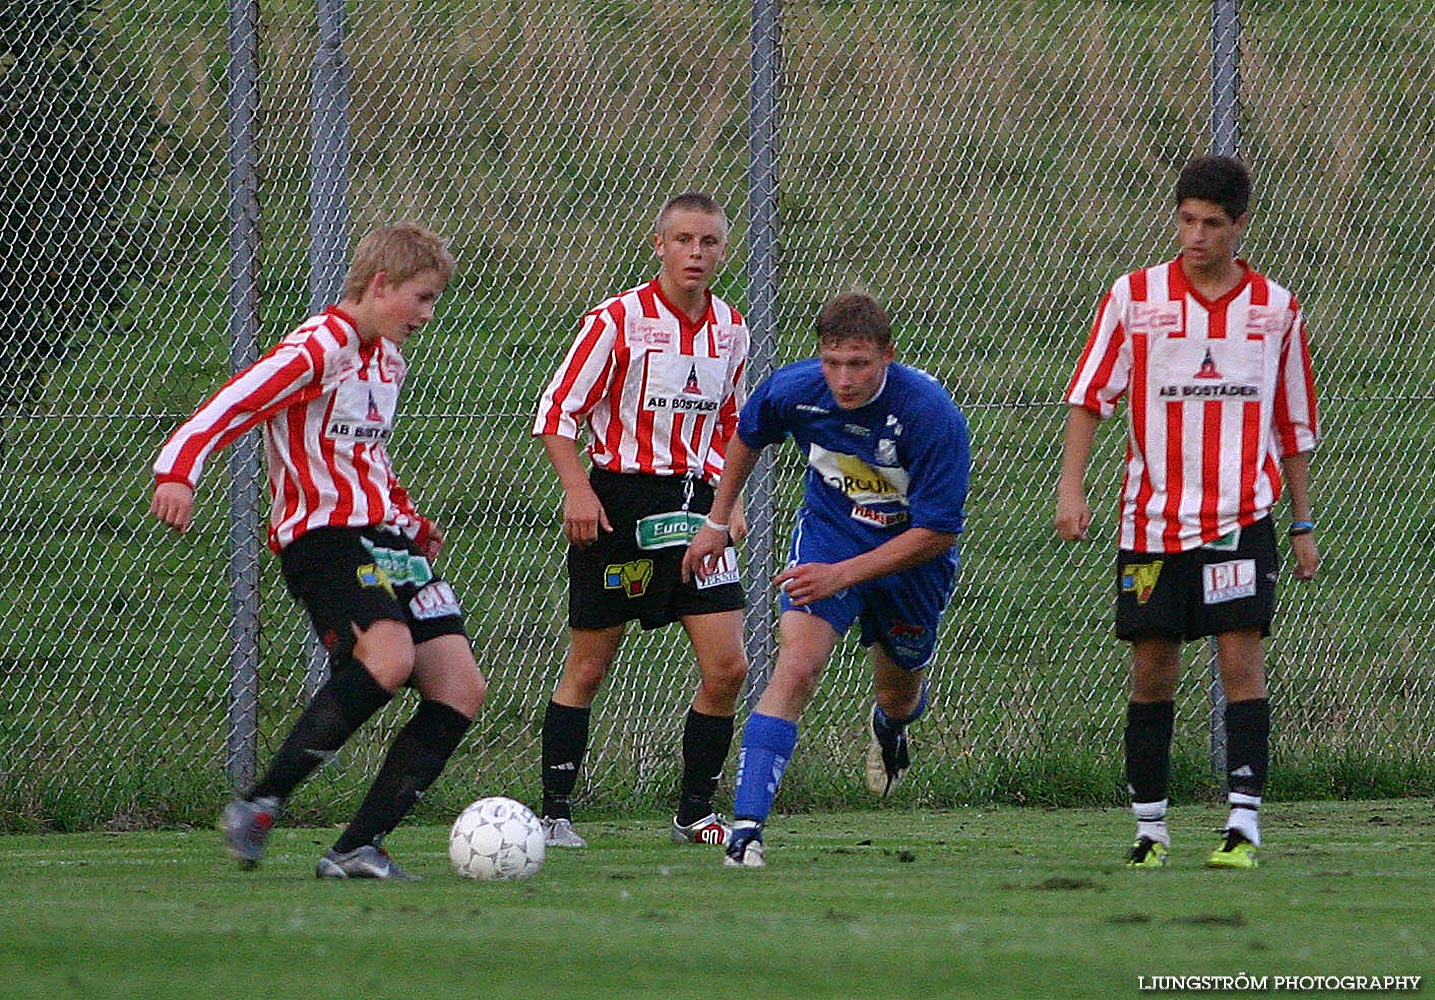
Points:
(583, 513)
(1296, 469)
(433, 541)
(173, 503)
(811, 582)
(737, 520)
(709, 543)
(1073, 513)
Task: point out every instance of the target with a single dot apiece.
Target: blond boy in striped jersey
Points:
(355, 551)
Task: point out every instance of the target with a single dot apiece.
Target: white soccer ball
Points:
(496, 838)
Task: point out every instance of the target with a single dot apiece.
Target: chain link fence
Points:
(985, 169)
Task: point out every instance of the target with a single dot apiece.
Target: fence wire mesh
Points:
(985, 169)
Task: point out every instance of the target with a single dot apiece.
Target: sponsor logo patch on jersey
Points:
(1141, 579)
(651, 333)
(906, 636)
(363, 407)
(861, 483)
(632, 578)
(662, 531)
(1217, 369)
(1155, 319)
(372, 576)
(437, 600)
(1228, 581)
(399, 566)
(726, 571)
(725, 334)
(1229, 542)
(682, 383)
(1265, 321)
(878, 518)
(1208, 367)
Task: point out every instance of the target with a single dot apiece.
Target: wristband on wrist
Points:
(708, 522)
(1301, 528)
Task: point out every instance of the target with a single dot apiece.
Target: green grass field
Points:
(965, 903)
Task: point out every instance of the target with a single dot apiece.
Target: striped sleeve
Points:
(1296, 425)
(1104, 369)
(411, 522)
(580, 381)
(727, 417)
(289, 374)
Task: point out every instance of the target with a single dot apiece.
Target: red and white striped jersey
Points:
(326, 401)
(659, 393)
(1216, 392)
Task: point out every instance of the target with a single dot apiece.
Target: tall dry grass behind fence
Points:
(986, 169)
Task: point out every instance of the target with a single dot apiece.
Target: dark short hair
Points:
(854, 316)
(1222, 180)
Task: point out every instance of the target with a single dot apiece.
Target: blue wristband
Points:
(1301, 528)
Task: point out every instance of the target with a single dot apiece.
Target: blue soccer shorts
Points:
(900, 612)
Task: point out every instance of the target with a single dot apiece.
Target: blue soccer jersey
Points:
(900, 461)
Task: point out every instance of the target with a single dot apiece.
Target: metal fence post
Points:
(328, 214)
(243, 569)
(1225, 141)
(329, 159)
(763, 138)
(1225, 77)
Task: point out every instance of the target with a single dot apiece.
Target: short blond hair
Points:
(400, 251)
(693, 201)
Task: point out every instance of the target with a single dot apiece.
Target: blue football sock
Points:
(767, 745)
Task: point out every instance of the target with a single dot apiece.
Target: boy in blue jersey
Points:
(875, 542)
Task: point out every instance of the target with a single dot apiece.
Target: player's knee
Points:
(724, 676)
(1151, 688)
(795, 683)
(899, 704)
(470, 694)
(1243, 681)
(583, 675)
(387, 651)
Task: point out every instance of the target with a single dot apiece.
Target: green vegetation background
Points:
(984, 169)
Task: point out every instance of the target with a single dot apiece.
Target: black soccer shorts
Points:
(1223, 586)
(634, 572)
(346, 577)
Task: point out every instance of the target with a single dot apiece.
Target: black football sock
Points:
(565, 739)
(1248, 741)
(706, 741)
(341, 706)
(417, 757)
(1148, 752)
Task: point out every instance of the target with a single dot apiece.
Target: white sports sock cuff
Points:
(1150, 812)
(1244, 821)
(1155, 830)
